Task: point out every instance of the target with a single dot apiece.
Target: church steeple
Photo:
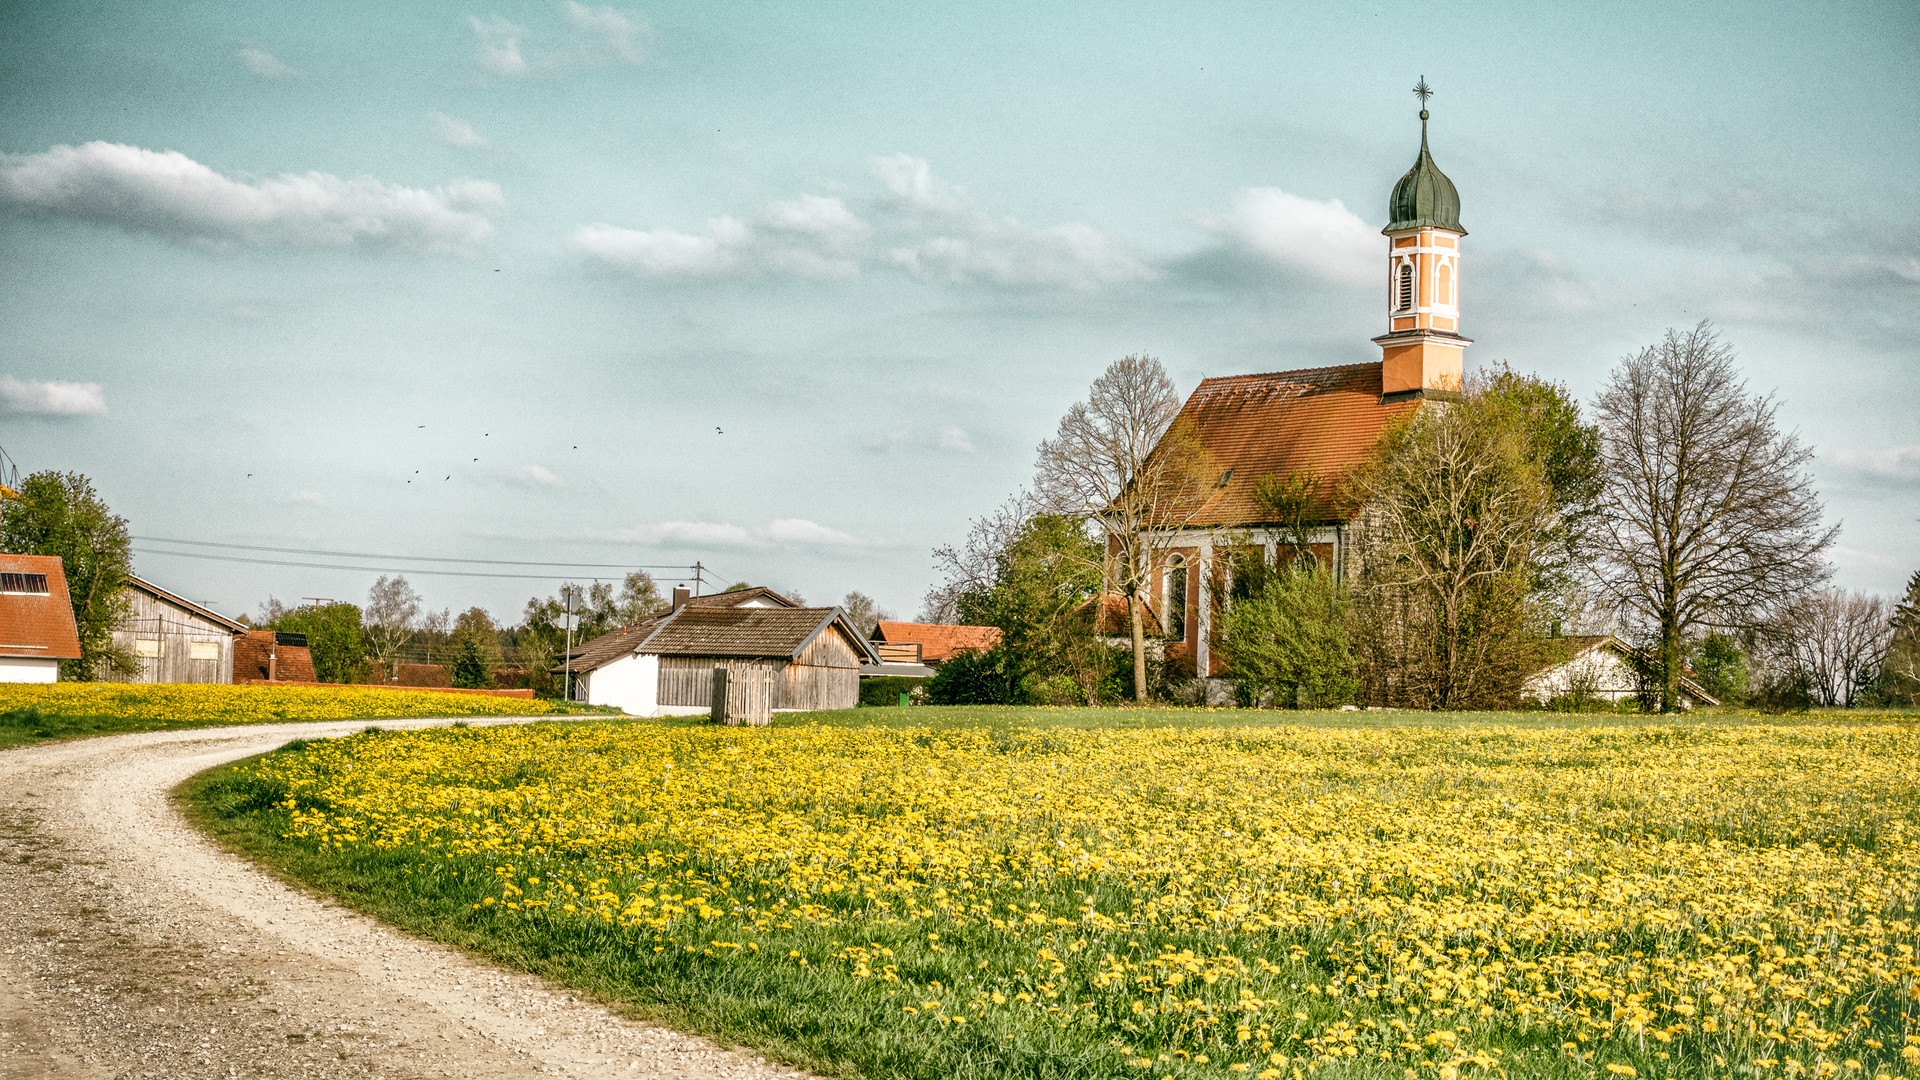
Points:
(1421, 352)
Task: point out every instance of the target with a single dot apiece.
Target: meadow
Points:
(1036, 893)
(39, 712)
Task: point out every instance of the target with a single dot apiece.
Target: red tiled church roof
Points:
(38, 625)
(1319, 420)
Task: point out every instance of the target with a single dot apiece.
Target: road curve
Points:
(130, 946)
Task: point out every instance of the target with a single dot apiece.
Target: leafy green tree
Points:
(60, 514)
(334, 638)
(1291, 641)
(1720, 667)
(1899, 682)
(1041, 586)
(471, 668)
(1457, 508)
(993, 677)
(1567, 451)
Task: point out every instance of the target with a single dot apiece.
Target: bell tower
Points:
(1421, 352)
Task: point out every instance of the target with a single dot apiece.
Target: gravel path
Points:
(131, 947)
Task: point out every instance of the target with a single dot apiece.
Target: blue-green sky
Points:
(796, 289)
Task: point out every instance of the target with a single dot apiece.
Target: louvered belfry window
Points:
(24, 583)
(1406, 286)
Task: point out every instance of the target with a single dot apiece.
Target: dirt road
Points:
(132, 947)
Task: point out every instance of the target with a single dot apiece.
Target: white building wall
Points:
(1599, 671)
(31, 669)
(631, 684)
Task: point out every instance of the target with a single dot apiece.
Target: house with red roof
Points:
(928, 644)
(37, 630)
(1313, 424)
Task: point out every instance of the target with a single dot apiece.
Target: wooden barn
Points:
(175, 639)
(776, 657)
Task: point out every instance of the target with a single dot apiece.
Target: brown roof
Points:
(176, 600)
(32, 625)
(706, 630)
(741, 596)
(938, 641)
(1319, 420)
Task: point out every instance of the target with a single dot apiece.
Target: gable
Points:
(34, 624)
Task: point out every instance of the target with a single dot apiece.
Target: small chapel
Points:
(1314, 422)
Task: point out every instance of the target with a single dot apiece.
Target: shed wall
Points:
(157, 627)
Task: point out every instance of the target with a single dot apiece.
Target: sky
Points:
(794, 291)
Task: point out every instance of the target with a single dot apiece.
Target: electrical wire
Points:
(374, 569)
(411, 558)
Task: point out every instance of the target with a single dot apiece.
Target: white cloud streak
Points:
(951, 439)
(172, 195)
(531, 476)
(782, 532)
(1899, 464)
(1307, 236)
(922, 225)
(622, 34)
(51, 397)
(455, 132)
(498, 45)
(264, 64)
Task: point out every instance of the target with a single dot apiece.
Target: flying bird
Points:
(717, 431)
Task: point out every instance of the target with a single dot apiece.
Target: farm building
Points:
(36, 619)
(174, 639)
(1599, 667)
(801, 658)
(929, 644)
(272, 656)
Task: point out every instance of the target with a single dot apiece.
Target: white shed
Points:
(1599, 667)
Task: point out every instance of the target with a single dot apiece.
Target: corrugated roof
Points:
(33, 625)
(938, 641)
(1320, 420)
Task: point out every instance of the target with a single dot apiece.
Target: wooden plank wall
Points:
(176, 629)
(827, 677)
(688, 680)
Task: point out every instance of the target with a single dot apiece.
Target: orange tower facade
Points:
(1422, 350)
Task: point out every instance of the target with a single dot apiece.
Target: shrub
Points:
(1289, 642)
(886, 689)
(978, 678)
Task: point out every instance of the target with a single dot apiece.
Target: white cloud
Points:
(168, 193)
(262, 63)
(1320, 239)
(499, 45)
(951, 438)
(1900, 464)
(455, 132)
(532, 476)
(622, 34)
(51, 397)
(783, 532)
(923, 226)
(811, 237)
(307, 498)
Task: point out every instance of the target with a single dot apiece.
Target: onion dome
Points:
(1424, 198)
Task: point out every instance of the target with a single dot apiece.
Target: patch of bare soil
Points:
(131, 947)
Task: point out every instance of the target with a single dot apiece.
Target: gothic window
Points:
(1445, 295)
(1406, 286)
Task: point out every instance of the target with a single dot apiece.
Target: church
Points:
(1316, 422)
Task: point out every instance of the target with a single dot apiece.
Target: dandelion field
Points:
(1703, 898)
(31, 712)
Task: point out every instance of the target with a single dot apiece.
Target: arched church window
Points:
(1406, 286)
(1445, 295)
(1175, 609)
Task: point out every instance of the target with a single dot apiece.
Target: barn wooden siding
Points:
(826, 675)
(155, 626)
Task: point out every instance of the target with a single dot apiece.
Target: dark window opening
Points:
(26, 583)
(1176, 613)
(1406, 286)
(1250, 570)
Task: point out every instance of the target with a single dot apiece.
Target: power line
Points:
(373, 569)
(409, 558)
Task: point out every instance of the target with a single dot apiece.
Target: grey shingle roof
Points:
(707, 629)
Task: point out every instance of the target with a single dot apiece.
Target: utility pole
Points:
(566, 679)
(696, 577)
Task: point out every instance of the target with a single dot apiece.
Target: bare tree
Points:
(1708, 521)
(1837, 639)
(1456, 509)
(972, 568)
(1119, 460)
(391, 611)
(437, 628)
(863, 611)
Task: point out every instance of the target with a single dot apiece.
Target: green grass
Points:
(1160, 716)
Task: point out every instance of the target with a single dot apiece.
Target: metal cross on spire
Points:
(1423, 91)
